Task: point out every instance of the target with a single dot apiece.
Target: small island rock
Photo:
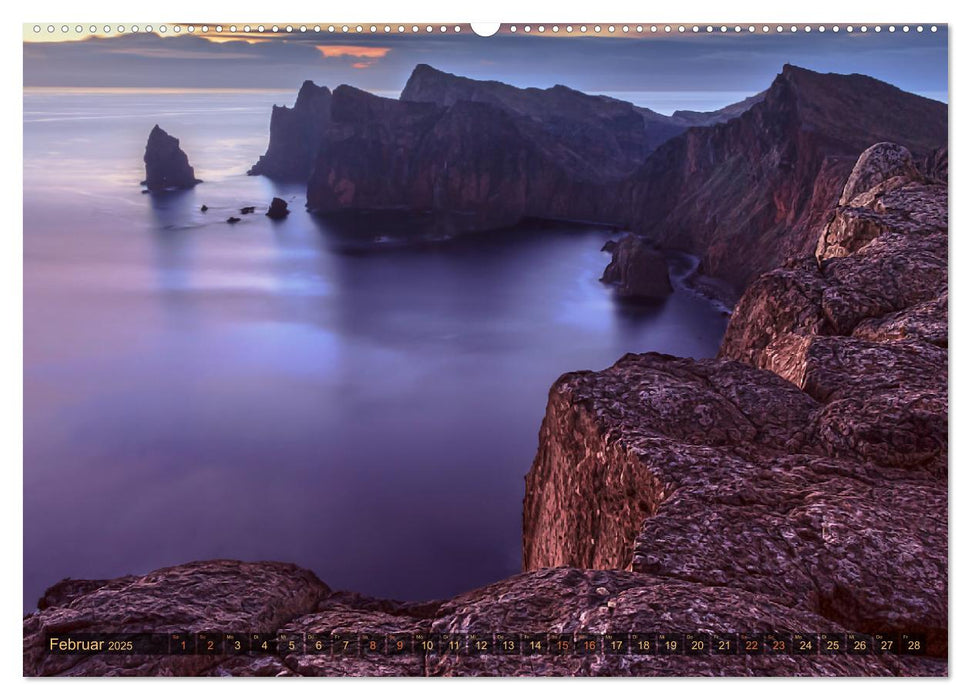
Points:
(278, 209)
(166, 165)
(638, 270)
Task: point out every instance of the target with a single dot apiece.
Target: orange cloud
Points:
(332, 51)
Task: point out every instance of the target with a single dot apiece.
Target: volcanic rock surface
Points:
(280, 598)
(166, 165)
(481, 154)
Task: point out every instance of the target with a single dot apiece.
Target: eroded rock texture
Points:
(809, 462)
(268, 597)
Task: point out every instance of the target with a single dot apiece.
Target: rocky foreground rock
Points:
(808, 463)
(166, 164)
(797, 483)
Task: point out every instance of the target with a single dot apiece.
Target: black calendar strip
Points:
(488, 643)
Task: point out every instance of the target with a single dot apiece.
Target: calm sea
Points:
(288, 391)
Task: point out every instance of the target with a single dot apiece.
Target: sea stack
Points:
(638, 270)
(278, 209)
(166, 165)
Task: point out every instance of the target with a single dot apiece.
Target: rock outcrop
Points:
(809, 462)
(166, 165)
(281, 599)
(750, 193)
(295, 135)
(638, 270)
(278, 209)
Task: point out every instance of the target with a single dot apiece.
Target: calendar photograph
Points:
(525, 349)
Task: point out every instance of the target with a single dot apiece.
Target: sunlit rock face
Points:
(166, 165)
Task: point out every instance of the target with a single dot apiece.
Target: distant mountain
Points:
(686, 117)
(748, 193)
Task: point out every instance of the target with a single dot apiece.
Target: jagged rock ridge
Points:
(486, 153)
(748, 194)
(295, 135)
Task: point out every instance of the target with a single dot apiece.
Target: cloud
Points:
(337, 50)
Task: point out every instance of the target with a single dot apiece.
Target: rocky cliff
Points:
(166, 165)
(295, 135)
(797, 483)
(750, 193)
(482, 154)
(808, 463)
(603, 131)
(474, 160)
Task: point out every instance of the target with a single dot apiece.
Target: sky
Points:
(619, 64)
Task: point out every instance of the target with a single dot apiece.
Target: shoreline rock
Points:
(278, 209)
(638, 270)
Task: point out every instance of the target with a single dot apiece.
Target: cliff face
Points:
(295, 134)
(611, 136)
(750, 193)
(809, 462)
(482, 154)
(473, 160)
(166, 165)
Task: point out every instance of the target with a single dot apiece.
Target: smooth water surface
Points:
(284, 390)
